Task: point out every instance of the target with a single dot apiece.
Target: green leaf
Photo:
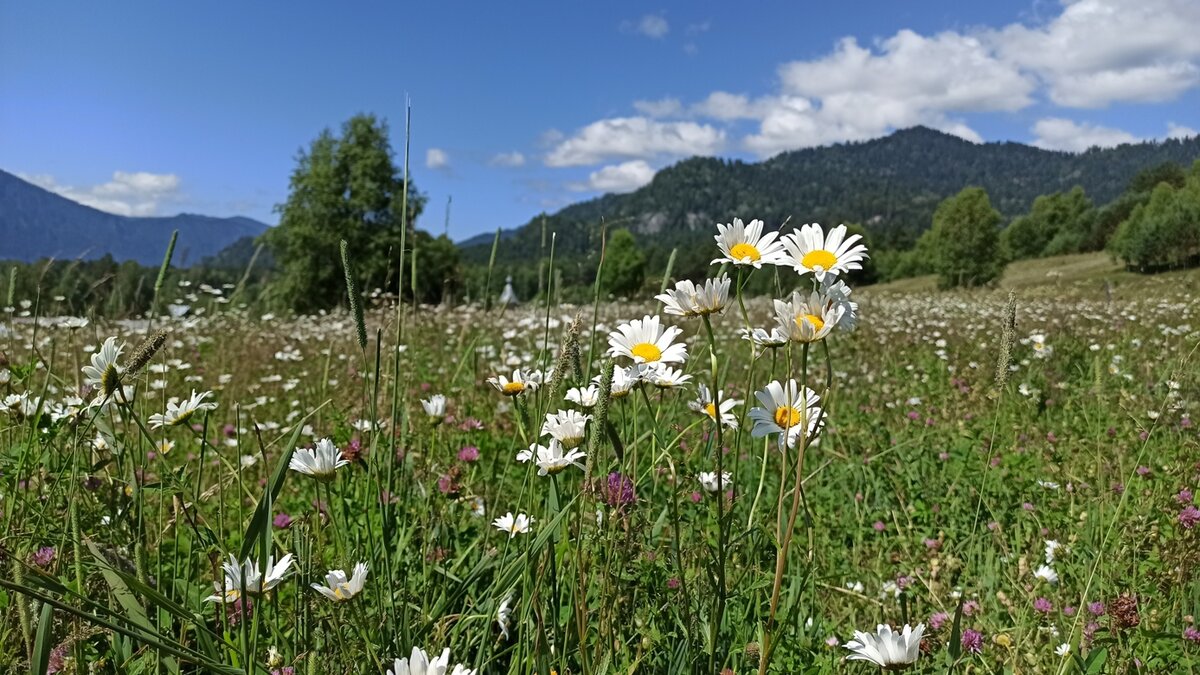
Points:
(41, 643)
(955, 645)
(262, 513)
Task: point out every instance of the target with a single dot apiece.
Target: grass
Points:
(929, 496)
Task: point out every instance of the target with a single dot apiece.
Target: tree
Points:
(964, 241)
(343, 187)
(1163, 232)
(1057, 223)
(624, 265)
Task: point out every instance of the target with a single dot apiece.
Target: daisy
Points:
(584, 397)
(1063, 649)
(761, 337)
(887, 649)
(246, 578)
(419, 663)
(320, 462)
(808, 249)
(837, 295)
(513, 525)
(1046, 573)
(529, 453)
(787, 411)
(623, 382)
(435, 407)
(807, 318)
(517, 385)
(704, 404)
(104, 374)
(566, 426)
(747, 245)
(180, 412)
(646, 341)
(708, 480)
(688, 299)
(338, 588)
(503, 615)
(552, 459)
(666, 377)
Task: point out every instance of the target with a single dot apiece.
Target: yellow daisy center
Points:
(819, 259)
(646, 351)
(513, 388)
(787, 417)
(743, 251)
(817, 322)
(109, 380)
(711, 409)
(337, 592)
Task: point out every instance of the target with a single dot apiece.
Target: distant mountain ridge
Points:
(891, 185)
(36, 223)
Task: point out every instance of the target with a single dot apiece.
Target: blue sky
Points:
(155, 108)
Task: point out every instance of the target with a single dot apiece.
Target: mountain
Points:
(890, 185)
(36, 223)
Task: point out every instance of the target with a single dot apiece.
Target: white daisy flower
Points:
(504, 616)
(1063, 649)
(809, 249)
(1047, 574)
(180, 412)
(772, 339)
(747, 245)
(517, 385)
(419, 663)
(704, 404)
(246, 578)
(837, 294)
(807, 318)
(104, 374)
(647, 341)
(787, 410)
(568, 427)
(513, 525)
(666, 377)
(584, 397)
(708, 480)
(320, 462)
(338, 588)
(887, 649)
(623, 382)
(551, 459)
(688, 299)
(435, 407)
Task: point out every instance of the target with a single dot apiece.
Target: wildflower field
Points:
(825, 480)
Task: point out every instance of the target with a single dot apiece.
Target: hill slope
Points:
(891, 185)
(36, 223)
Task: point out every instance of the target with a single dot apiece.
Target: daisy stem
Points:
(719, 600)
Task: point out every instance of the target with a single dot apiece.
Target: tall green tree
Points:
(1057, 224)
(1163, 232)
(964, 241)
(343, 187)
(624, 265)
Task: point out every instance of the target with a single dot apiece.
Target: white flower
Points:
(72, 323)
(419, 663)
(338, 588)
(688, 299)
(513, 525)
(104, 374)
(552, 459)
(807, 318)
(584, 397)
(518, 384)
(886, 648)
(788, 411)
(765, 339)
(808, 249)
(666, 377)
(1047, 574)
(246, 578)
(1051, 547)
(708, 480)
(704, 404)
(568, 427)
(646, 341)
(320, 462)
(837, 294)
(747, 245)
(503, 615)
(1063, 649)
(623, 382)
(435, 407)
(181, 412)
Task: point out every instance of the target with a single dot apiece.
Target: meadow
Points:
(217, 489)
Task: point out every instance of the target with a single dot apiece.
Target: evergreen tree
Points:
(624, 265)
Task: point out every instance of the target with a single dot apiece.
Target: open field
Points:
(1025, 494)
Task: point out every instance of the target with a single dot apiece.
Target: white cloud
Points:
(623, 177)
(724, 106)
(1179, 131)
(137, 193)
(1057, 133)
(510, 159)
(1101, 51)
(635, 138)
(436, 158)
(651, 25)
(663, 107)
